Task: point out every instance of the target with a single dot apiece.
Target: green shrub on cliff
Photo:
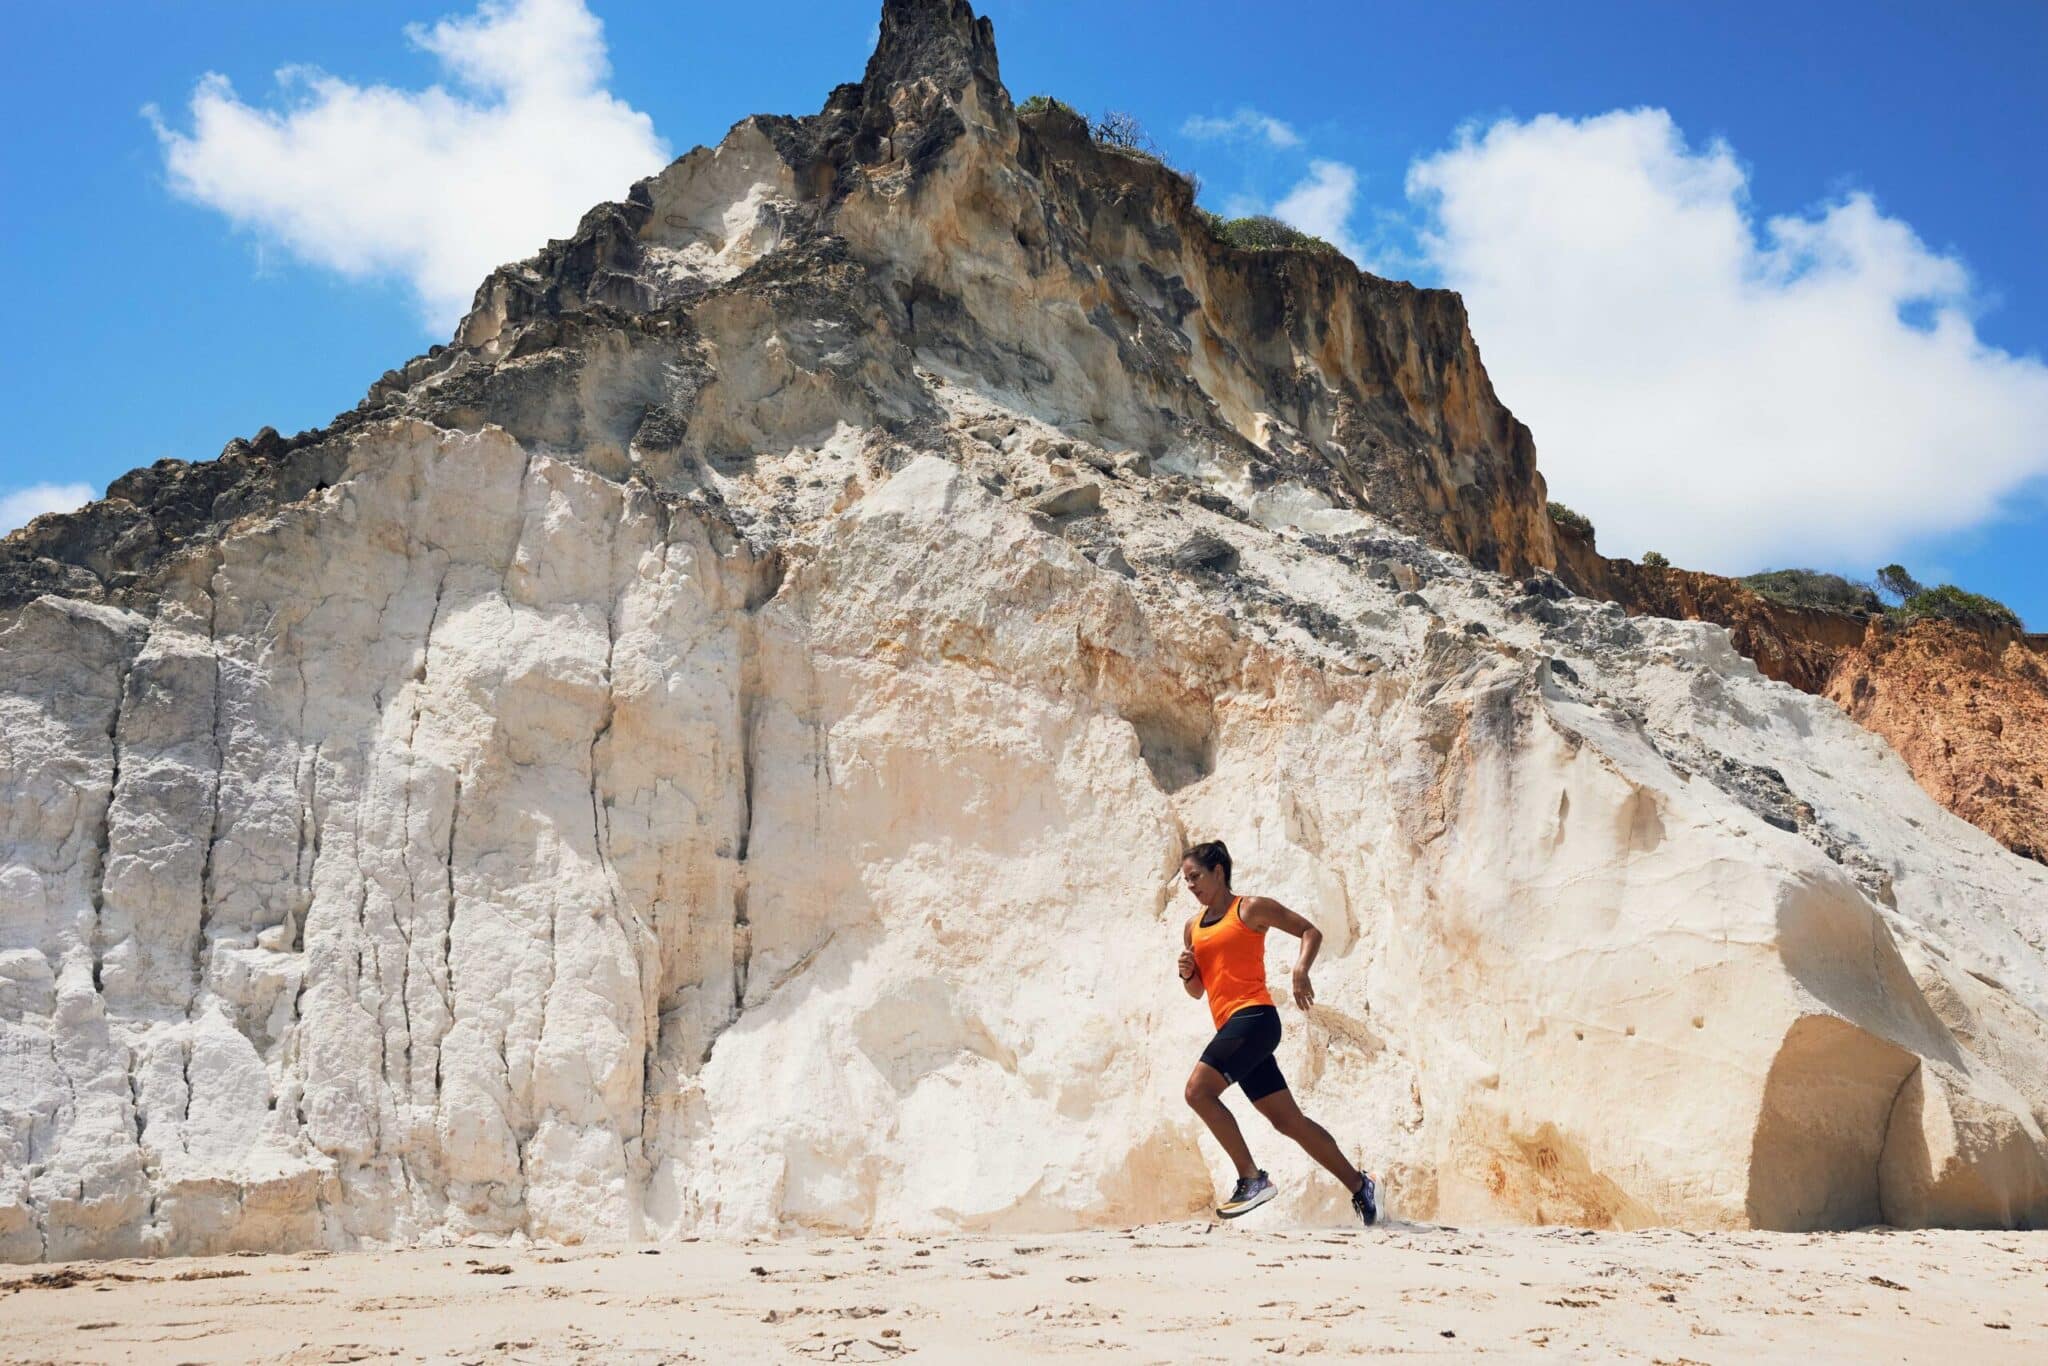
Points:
(1046, 104)
(1261, 233)
(1946, 602)
(1812, 589)
(1894, 579)
(1576, 522)
(1656, 560)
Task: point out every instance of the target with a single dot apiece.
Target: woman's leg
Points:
(1205, 1097)
(1315, 1140)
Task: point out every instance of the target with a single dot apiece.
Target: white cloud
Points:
(434, 187)
(1321, 204)
(19, 506)
(1247, 123)
(1734, 393)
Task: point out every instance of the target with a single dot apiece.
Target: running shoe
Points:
(1366, 1200)
(1251, 1192)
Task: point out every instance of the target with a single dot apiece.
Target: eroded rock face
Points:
(1793, 645)
(1968, 711)
(688, 759)
(800, 276)
(1965, 706)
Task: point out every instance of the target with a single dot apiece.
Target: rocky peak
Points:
(863, 250)
(939, 42)
(932, 57)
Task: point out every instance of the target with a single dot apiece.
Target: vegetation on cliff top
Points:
(1943, 602)
(1114, 130)
(1576, 522)
(1813, 590)
(1259, 232)
(1950, 603)
(1123, 133)
(1040, 105)
(1832, 593)
(1894, 579)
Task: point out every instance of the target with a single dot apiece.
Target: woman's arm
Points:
(1264, 913)
(1190, 974)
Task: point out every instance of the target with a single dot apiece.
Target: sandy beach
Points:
(1177, 1292)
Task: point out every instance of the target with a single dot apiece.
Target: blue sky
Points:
(1766, 281)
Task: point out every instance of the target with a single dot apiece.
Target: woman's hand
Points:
(1304, 994)
(1187, 968)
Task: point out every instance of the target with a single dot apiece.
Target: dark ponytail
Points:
(1211, 855)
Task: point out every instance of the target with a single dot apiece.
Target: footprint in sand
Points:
(1072, 1316)
(340, 1352)
(993, 1270)
(828, 1347)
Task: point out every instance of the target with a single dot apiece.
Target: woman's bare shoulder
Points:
(1258, 911)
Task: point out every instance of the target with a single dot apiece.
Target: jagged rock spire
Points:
(932, 53)
(938, 40)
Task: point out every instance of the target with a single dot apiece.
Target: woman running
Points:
(1225, 955)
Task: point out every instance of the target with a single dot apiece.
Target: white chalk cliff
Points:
(707, 753)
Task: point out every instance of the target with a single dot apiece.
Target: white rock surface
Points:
(484, 846)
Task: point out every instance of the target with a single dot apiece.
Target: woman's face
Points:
(1204, 883)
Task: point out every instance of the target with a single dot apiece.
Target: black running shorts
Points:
(1243, 1051)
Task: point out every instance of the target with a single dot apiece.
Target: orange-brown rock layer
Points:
(1966, 708)
(1968, 711)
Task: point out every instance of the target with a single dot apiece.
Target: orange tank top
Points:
(1231, 957)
